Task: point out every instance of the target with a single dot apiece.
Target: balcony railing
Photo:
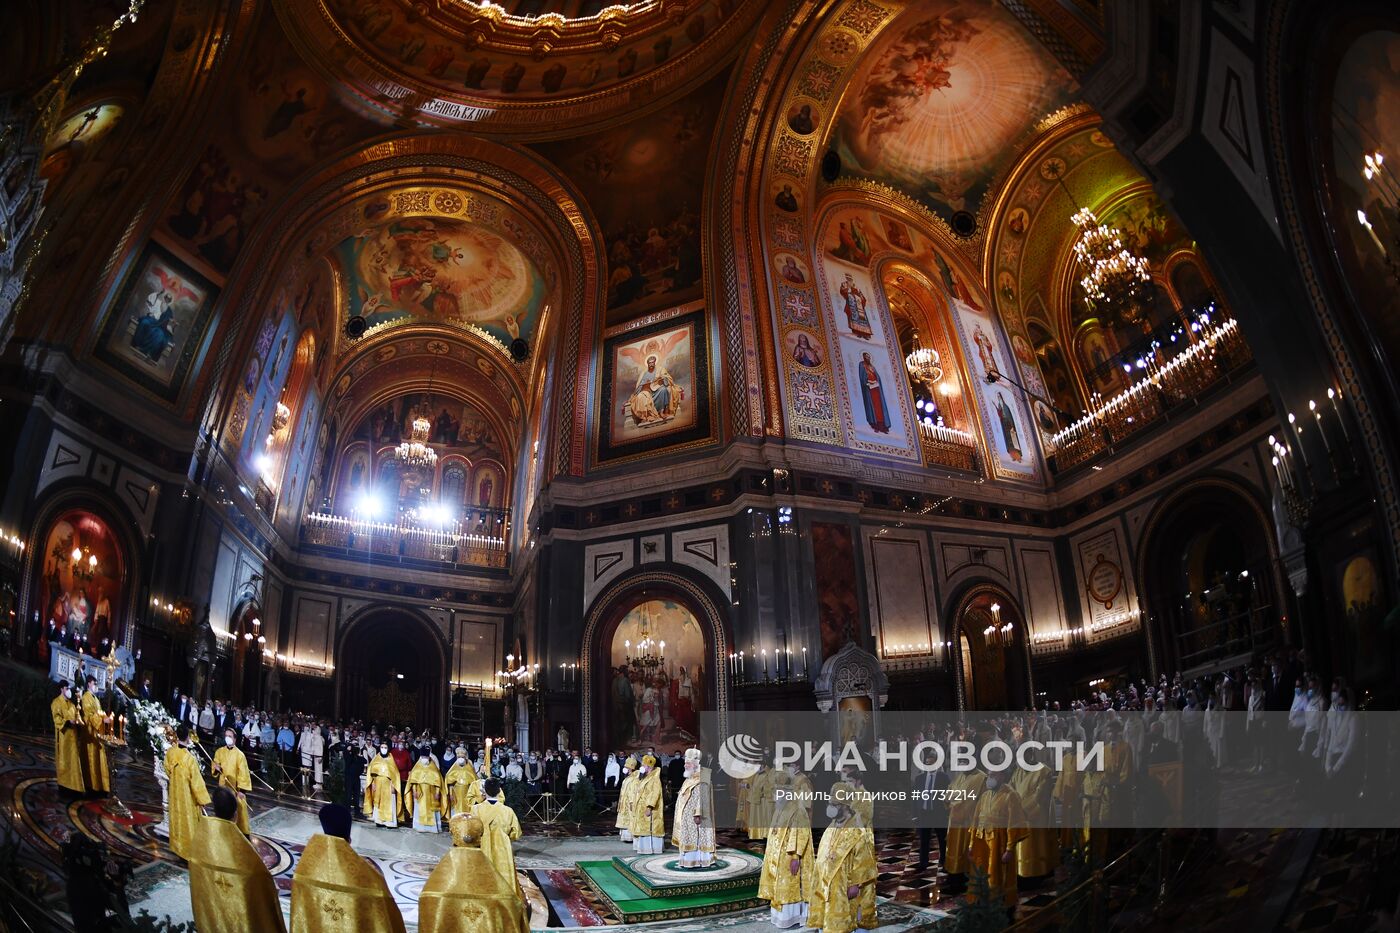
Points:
(478, 542)
(947, 447)
(1215, 351)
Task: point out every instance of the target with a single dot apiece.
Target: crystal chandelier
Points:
(1114, 278)
(415, 451)
(924, 365)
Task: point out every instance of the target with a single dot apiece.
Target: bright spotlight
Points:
(369, 505)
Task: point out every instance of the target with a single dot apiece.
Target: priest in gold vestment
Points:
(231, 769)
(626, 799)
(67, 732)
(334, 890)
(789, 871)
(963, 790)
(94, 753)
(648, 810)
(1039, 852)
(844, 894)
(231, 889)
(464, 894)
(500, 827)
(693, 825)
(186, 795)
(1108, 793)
(382, 792)
(998, 827)
(760, 815)
(460, 787)
(422, 795)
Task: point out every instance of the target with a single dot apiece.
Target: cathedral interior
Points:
(471, 366)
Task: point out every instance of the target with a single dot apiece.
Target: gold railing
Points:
(947, 447)
(395, 541)
(1216, 351)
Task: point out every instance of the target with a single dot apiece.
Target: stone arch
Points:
(965, 601)
(432, 707)
(667, 581)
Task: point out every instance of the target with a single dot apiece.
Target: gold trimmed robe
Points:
(234, 774)
(95, 773)
(422, 795)
(67, 744)
(844, 858)
(960, 816)
(461, 789)
(1039, 852)
(760, 815)
(998, 826)
(465, 894)
(499, 827)
(334, 890)
(626, 802)
(231, 889)
(382, 793)
(184, 797)
(695, 798)
(648, 794)
(789, 838)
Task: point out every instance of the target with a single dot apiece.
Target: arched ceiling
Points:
(944, 99)
(459, 63)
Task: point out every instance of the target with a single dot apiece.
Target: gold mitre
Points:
(466, 830)
(631, 763)
(649, 761)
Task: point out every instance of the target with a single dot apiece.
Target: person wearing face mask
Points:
(95, 774)
(186, 793)
(788, 875)
(461, 789)
(998, 828)
(648, 818)
(578, 771)
(500, 827)
(353, 755)
(843, 894)
(1341, 755)
(67, 727)
(423, 794)
(963, 790)
(1039, 853)
(402, 759)
(626, 799)
(852, 788)
(206, 722)
(1108, 792)
(313, 749)
(231, 769)
(693, 826)
(383, 792)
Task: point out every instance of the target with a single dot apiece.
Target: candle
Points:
(765, 663)
(1302, 449)
(1317, 416)
(1333, 396)
(741, 665)
(1277, 472)
(804, 662)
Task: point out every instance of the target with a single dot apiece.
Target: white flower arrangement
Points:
(154, 727)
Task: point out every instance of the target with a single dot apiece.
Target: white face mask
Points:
(423, 760)
(993, 783)
(832, 811)
(228, 740)
(384, 750)
(67, 693)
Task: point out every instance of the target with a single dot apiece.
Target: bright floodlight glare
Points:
(368, 505)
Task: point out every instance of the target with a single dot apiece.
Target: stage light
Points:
(437, 514)
(369, 505)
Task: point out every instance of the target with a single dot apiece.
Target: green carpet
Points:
(632, 904)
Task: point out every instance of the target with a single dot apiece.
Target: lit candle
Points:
(1332, 397)
(804, 662)
(1317, 416)
(741, 665)
(1278, 472)
(1302, 449)
(765, 663)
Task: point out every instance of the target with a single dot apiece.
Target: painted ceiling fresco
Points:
(644, 182)
(939, 103)
(439, 270)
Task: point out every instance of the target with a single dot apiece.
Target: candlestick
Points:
(804, 662)
(1317, 416)
(741, 666)
(1333, 396)
(765, 664)
(1302, 448)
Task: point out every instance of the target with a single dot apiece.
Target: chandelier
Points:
(1114, 278)
(924, 365)
(415, 451)
(650, 653)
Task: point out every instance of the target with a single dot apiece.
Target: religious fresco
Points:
(77, 140)
(656, 704)
(655, 389)
(834, 570)
(941, 99)
(440, 270)
(154, 329)
(296, 472)
(644, 181)
(81, 586)
(1365, 118)
(286, 119)
(261, 405)
(1006, 419)
(454, 424)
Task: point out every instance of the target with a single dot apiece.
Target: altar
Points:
(76, 667)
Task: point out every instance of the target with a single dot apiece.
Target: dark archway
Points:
(391, 668)
(990, 651)
(1209, 579)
